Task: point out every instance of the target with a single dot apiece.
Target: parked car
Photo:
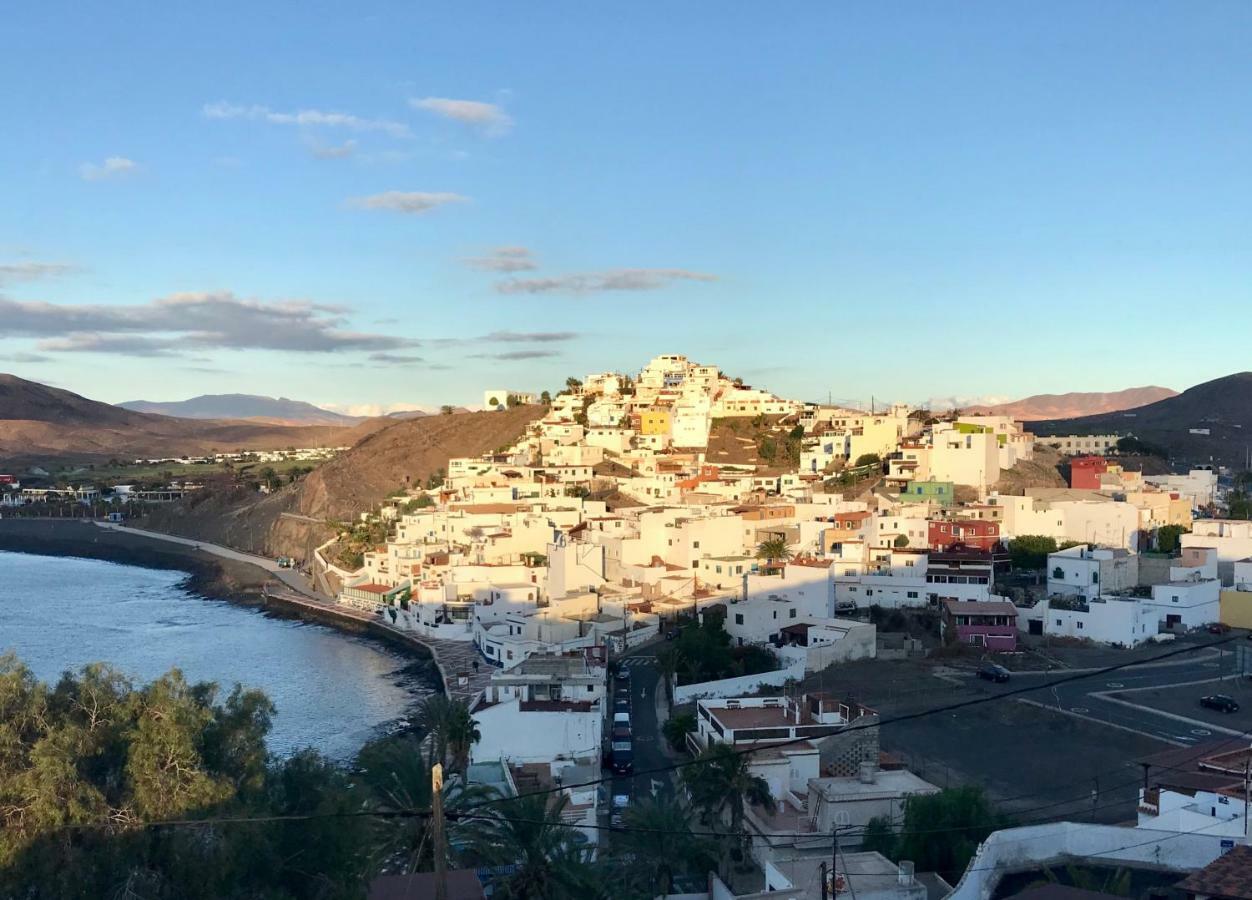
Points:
(1220, 702)
(994, 672)
(623, 674)
(1219, 628)
(621, 718)
(620, 802)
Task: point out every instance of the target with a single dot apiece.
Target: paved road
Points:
(645, 728)
(1087, 697)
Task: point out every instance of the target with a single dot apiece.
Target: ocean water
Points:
(333, 691)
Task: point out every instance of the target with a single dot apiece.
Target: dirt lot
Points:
(1037, 764)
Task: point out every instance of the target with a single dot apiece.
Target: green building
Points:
(931, 491)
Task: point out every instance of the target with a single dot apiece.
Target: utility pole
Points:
(834, 861)
(1247, 763)
(437, 832)
(822, 870)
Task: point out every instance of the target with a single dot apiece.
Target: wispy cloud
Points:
(598, 282)
(11, 273)
(332, 151)
(516, 354)
(488, 118)
(26, 358)
(191, 322)
(408, 202)
(533, 337)
(113, 167)
(125, 344)
(396, 359)
(504, 259)
(309, 118)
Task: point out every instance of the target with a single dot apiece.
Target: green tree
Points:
(396, 775)
(551, 858)
(773, 549)
(676, 729)
(659, 841)
(868, 459)
(573, 385)
(447, 409)
(879, 837)
(721, 785)
(1030, 551)
(902, 540)
(942, 831)
(546, 398)
(667, 665)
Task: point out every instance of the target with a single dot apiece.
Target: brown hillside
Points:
(1065, 406)
(38, 422)
(291, 521)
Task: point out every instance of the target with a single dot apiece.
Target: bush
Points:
(1030, 551)
(677, 728)
(868, 459)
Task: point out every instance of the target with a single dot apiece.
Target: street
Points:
(645, 728)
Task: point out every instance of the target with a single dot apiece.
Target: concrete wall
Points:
(1019, 849)
(741, 686)
(1236, 608)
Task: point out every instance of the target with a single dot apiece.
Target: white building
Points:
(1090, 571)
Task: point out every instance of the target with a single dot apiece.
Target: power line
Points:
(904, 717)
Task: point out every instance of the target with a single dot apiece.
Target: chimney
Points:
(906, 873)
(868, 771)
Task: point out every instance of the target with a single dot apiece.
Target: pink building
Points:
(983, 623)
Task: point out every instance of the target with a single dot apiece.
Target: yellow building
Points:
(654, 421)
(1236, 609)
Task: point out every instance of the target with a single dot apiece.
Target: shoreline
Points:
(208, 576)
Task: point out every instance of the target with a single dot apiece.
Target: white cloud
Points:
(113, 167)
(369, 409)
(504, 259)
(597, 282)
(488, 118)
(31, 271)
(311, 118)
(409, 202)
(332, 151)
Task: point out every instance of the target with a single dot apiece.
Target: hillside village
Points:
(644, 510)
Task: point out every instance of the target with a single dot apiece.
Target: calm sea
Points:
(333, 691)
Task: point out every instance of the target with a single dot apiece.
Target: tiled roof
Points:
(1229, 877)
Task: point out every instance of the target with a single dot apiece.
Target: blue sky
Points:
(911, 200)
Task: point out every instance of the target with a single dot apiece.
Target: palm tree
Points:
(772, 549)
(434, 717)
(658, 847)
(719, 783)
(396, 778)
(668, 662)
(462, 734)
(551, 858)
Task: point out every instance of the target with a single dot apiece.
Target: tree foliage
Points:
(941, 831)
(1167, 537)
(1030, 551)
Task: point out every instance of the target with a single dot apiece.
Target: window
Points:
(1058, 623)
(738, 618)
(1080, 626)
(791, 613)
(695, 545)
(912, 595)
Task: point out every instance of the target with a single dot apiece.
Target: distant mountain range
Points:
(1211, 422)
(39, 422)
(276, 410)
(1069, 406)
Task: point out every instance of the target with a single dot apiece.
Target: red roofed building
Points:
(1085, 472)
(942, 534)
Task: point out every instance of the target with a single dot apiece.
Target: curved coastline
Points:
(208, 576)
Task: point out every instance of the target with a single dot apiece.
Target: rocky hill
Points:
(1211, 422)
(1068, 406)
(38, 422)
(275, 410)
(292, 521)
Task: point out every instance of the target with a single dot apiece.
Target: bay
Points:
(333, 691)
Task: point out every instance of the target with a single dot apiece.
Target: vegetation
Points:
(703, 653)
(1167, 537)
(720, 785)
(902, 540)
(661, 846)
(773, 549)
(1133, 446)
(676, 729)
(1239, 500)
(867, 459)
(941, 831)
(1030, 551)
